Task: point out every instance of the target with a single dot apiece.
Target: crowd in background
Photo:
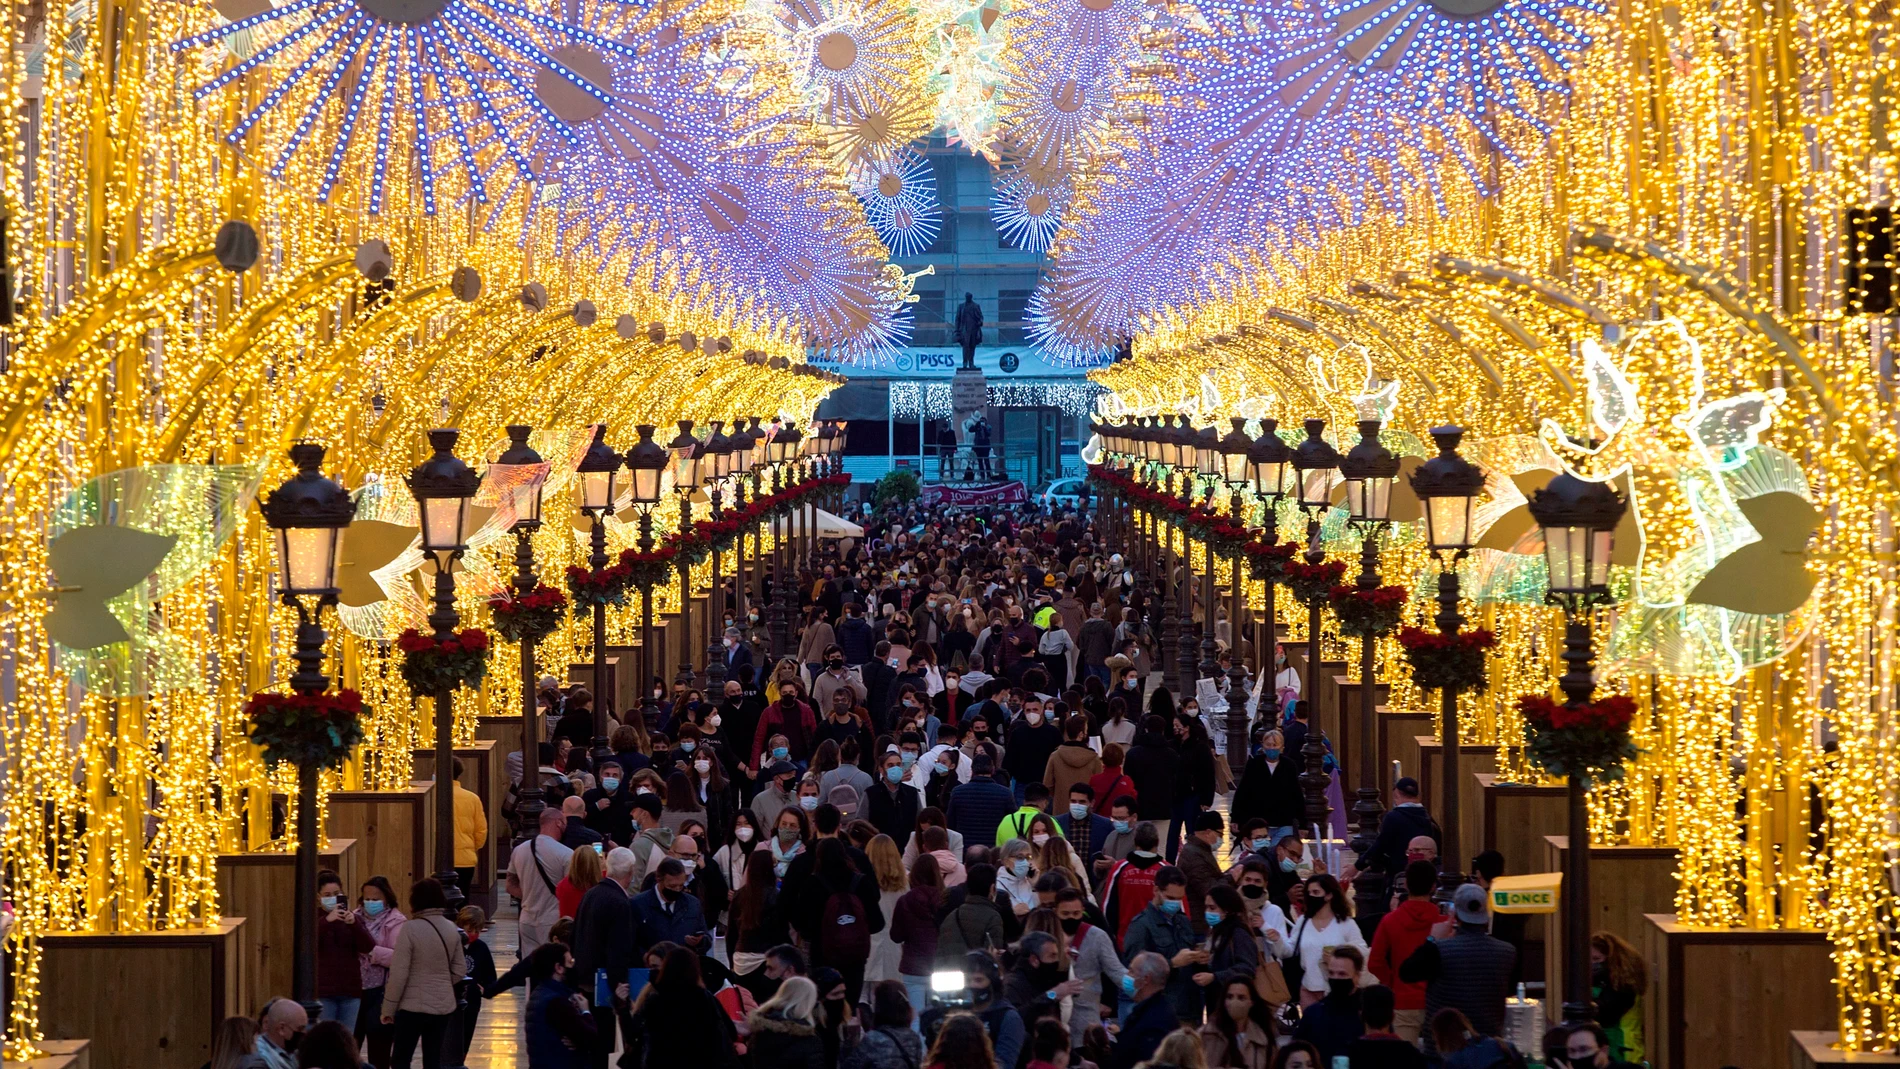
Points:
(961, 826)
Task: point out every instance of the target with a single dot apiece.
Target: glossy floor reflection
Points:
(498, 1042)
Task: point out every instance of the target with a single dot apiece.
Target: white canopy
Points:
(829, 526)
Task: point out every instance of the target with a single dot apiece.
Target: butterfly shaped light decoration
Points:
(117, 546)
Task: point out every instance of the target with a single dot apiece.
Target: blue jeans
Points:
(1097, 671)
(341, 1010)
(1185, 812)
(919, 989)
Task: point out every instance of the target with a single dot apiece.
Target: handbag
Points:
(1269, 982)
(1291, 971)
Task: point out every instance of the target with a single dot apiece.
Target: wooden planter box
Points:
(395, 832)
(261, 886)
(1730, 996)
(1398, 739)
(481, 773)
(1345, 744)
(146, 999)
(1627, 883)
(1814, 1050)
(1472, 757)
(60, 1054)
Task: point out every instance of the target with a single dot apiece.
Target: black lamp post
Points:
(1449, 486)
(1314, 460)
(443, 487)
(599, 472)
(1184, 444)
(647, 462)
(685, 450)
(1207, 469)
(783, 451)
(1237, 472)
(1369, 469)
(1269, 458)
(712, 463)
(530, 800)
(1579, 521)
(308, 515)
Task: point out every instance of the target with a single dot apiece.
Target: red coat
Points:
(800, 736)
(1402, 931)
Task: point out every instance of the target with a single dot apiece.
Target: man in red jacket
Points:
(1402, 931)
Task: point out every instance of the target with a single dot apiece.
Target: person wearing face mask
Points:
(342, 938)
(1401, 825)
(1092, 957)
(668, 912)
(1128, 888)
(609, 806)
(651, 838)
(891, 803)
(816, 640)
(1334, 1022)
(1032, 739)
(1232, 947)
(1072, 762)
(1040, 980)
(1199, 865)
(1401, 932)
(1269, 788)
(1087, 831)
(1463, 966)
(1325, 923)
(738, 651)
(778, 794)
(844, 719)
(791, 718)
(1163, 928)
(833, 676)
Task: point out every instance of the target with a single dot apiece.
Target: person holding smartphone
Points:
(341, 937)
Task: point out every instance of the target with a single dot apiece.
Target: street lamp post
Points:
(712, 463)
(308, 515)
(1315, 460)
(443, 487)
(1369, 469)
(685, 450)
(783, 451)
(1208, 467)
(1579, 521)
(1448, 485)
(647, 461)
(530, 800)
(1237, 472)
(1185, 445)
(599, 472)
(1269, 458)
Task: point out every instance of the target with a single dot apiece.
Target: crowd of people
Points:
(960, 827)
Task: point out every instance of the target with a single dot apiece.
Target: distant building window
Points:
(1009, 316)
(932, 323)
(946, 242)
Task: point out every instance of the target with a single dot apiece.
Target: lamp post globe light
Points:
(1269, 459)
(647, 462)
(530, 800)
(307, 516)
(1579, 520)
(1314, 461)
(1448, 485)
(443, 487)
(598, 474)
(685, 454)
(1369, 470)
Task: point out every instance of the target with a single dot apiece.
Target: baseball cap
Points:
(1467, 903)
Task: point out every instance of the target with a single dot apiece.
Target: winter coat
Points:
(977, 807)
(682, 1031)
(1470, 972)
(428, 961)
(1272, 794)
(340, 947)
(914, 929)
(1072, 763)
(776, 1042)
(1400, 934)
(1255, 1047)
(976, 924)
(1154, 764)
(856, 638)
(383, 928)
(1167, 934)
(886, 1048)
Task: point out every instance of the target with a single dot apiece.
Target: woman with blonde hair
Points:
(233, 1042)
(1181, 1049)
(584, 870)
(783, 1031)
(887, 864)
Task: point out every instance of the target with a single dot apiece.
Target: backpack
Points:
(844, 938)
